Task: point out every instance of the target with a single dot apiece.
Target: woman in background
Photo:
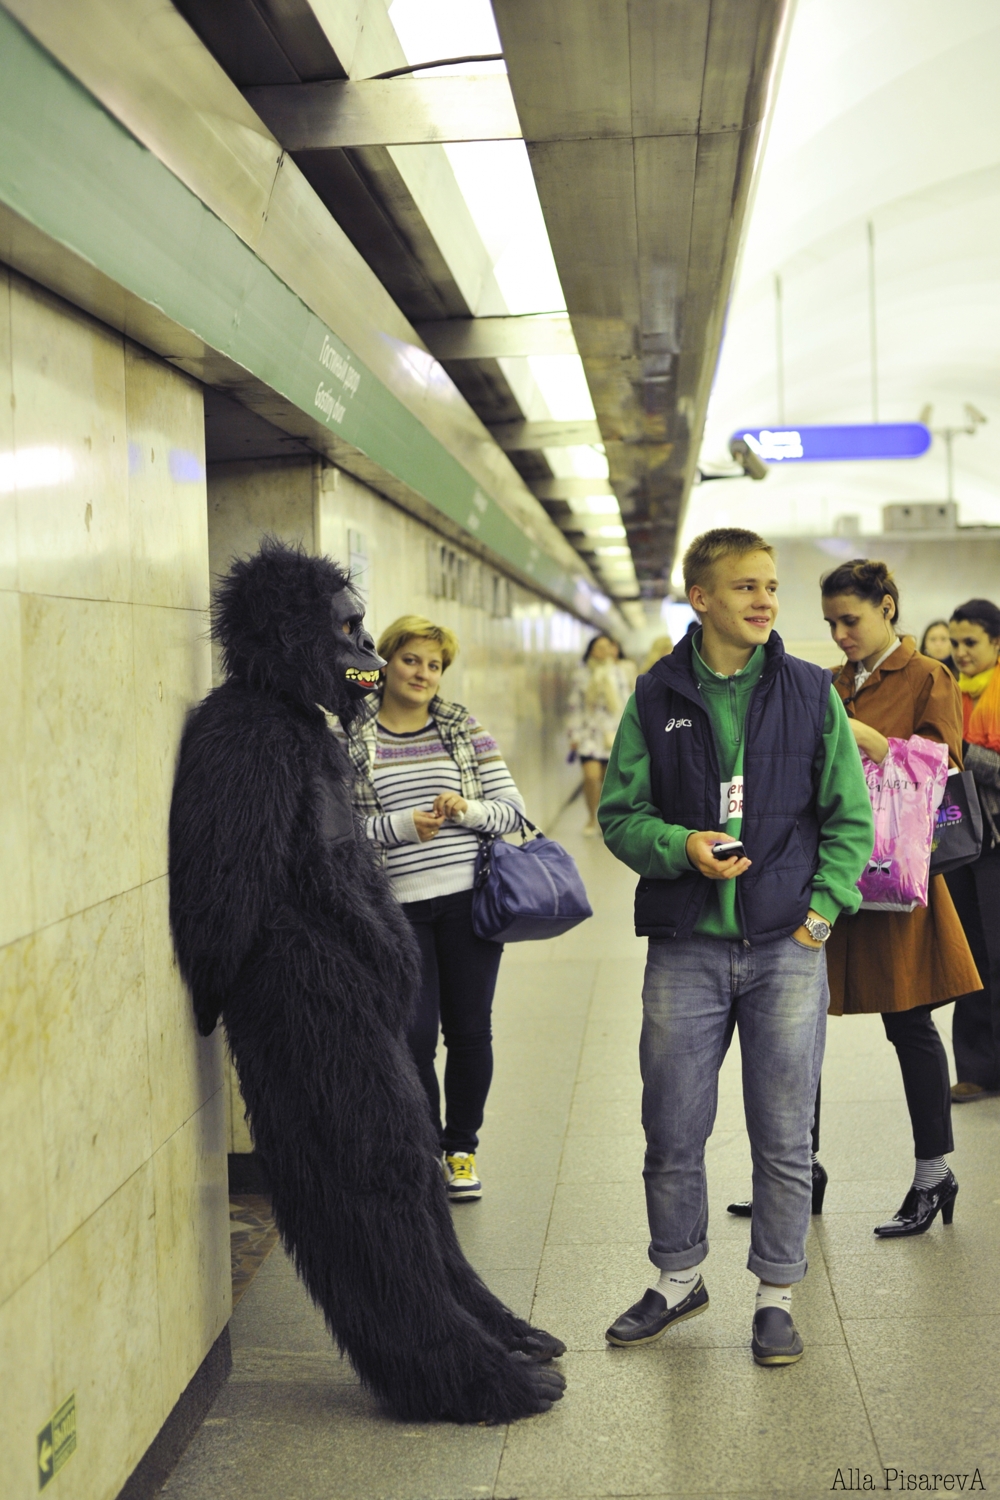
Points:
(660, 648)
(429, 779)
(975, 888)
(597, 701)
(900, 965)
(936, 643)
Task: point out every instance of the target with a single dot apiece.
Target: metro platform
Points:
(902, 1339)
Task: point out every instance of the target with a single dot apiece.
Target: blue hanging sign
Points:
(777, 445)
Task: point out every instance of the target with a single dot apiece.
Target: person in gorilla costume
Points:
(285, 927)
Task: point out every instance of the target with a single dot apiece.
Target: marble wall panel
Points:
(16, 904)
(106, 1338)
(166, 484)
(88, 977)
(80, 752)
(71, 450)
(26, 1235)
(172, 667)
(8, 494)
(185, 1069)
(246, 499)
(192, 1244)
(29, 1399)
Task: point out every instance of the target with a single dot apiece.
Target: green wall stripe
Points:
(72, 170)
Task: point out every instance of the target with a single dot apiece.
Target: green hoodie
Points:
(636, 834)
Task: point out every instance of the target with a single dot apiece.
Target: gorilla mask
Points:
(292, 626)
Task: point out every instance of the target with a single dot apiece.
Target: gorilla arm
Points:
(236, 802)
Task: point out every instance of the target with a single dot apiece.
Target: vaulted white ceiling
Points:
(887, 113)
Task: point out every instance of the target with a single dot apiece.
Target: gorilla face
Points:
(358, 661)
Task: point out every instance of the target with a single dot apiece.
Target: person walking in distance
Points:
(597, 698)
(736, 793)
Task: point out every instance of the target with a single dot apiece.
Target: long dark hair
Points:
(601, 636)
(980, 612)
(866, 579)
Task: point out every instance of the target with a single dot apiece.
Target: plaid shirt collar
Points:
(451, 722)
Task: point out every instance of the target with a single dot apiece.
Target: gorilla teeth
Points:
(355, 674)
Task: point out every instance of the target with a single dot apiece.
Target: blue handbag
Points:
(526, 891)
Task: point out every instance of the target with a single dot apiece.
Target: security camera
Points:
(752, 466)
(974, 416)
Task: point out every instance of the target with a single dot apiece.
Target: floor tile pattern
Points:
(902, 1340)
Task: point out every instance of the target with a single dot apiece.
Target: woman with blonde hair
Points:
(598, 696)
(661, 647)
(428, 779)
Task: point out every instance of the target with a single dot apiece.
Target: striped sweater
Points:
(410, 770)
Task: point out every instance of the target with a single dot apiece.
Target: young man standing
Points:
(727, 740)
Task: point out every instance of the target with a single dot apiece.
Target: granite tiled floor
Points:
(902, 1340)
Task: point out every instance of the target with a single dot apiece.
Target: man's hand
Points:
(447, 804)
(875, 745)
(699, 853)
(804, 936)
(427, 825)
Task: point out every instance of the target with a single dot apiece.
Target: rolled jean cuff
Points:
(680, 1260)
(774, 1273)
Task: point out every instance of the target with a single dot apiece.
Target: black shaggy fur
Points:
(285, 927)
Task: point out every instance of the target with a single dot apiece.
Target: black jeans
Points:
(923, 1063)
(924, 1066)
(458, 977)
(975, 1030)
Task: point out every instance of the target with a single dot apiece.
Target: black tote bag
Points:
(958, 834)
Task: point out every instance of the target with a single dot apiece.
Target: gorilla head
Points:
(291, 625)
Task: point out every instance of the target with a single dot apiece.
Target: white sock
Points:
(676, 1285)
(773, 1296)
(929, 1171)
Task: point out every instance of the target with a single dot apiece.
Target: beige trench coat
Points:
(879, 961)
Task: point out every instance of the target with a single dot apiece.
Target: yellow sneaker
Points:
(460, 1174)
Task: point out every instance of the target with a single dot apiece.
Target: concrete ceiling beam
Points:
(498, 337)
(338, 115)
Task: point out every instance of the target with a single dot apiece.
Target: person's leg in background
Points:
(422, 1033)
(593, 781)
(924, 1066)
(467, 967)
(975, 1027)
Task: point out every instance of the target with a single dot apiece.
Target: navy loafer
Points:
(775, 1338)
(648, 1319)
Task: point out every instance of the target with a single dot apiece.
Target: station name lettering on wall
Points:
(327, 399)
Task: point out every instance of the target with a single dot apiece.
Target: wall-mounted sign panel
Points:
(776, 445)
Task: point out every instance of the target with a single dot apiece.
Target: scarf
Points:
(984, 720)
(973, 686)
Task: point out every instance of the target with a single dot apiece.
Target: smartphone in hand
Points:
(731, 849)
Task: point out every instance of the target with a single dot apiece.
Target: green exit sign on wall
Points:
(57, 1441)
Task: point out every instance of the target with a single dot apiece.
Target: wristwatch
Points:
(817, 929)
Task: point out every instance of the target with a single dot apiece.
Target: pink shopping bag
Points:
(905, 791)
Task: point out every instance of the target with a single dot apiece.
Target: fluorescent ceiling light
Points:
(594, 505)
(612, 551)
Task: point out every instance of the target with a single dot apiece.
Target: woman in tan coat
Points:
(900, 965)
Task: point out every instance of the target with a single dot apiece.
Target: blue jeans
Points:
(695, 989)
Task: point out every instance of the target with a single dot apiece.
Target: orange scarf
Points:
(983, 716)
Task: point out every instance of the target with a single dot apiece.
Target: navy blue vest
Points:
(782, 735)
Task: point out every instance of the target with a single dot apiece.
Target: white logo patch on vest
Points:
(730, 800)
(676, 724)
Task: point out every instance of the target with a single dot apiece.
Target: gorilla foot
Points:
(548, 1385)
(539, 1345)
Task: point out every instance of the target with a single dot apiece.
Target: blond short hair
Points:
(712, 546)
(416, 627)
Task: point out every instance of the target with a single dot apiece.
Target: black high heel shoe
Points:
(744, 1208)
(920, 1208)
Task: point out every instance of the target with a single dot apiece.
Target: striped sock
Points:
(929, 1171)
